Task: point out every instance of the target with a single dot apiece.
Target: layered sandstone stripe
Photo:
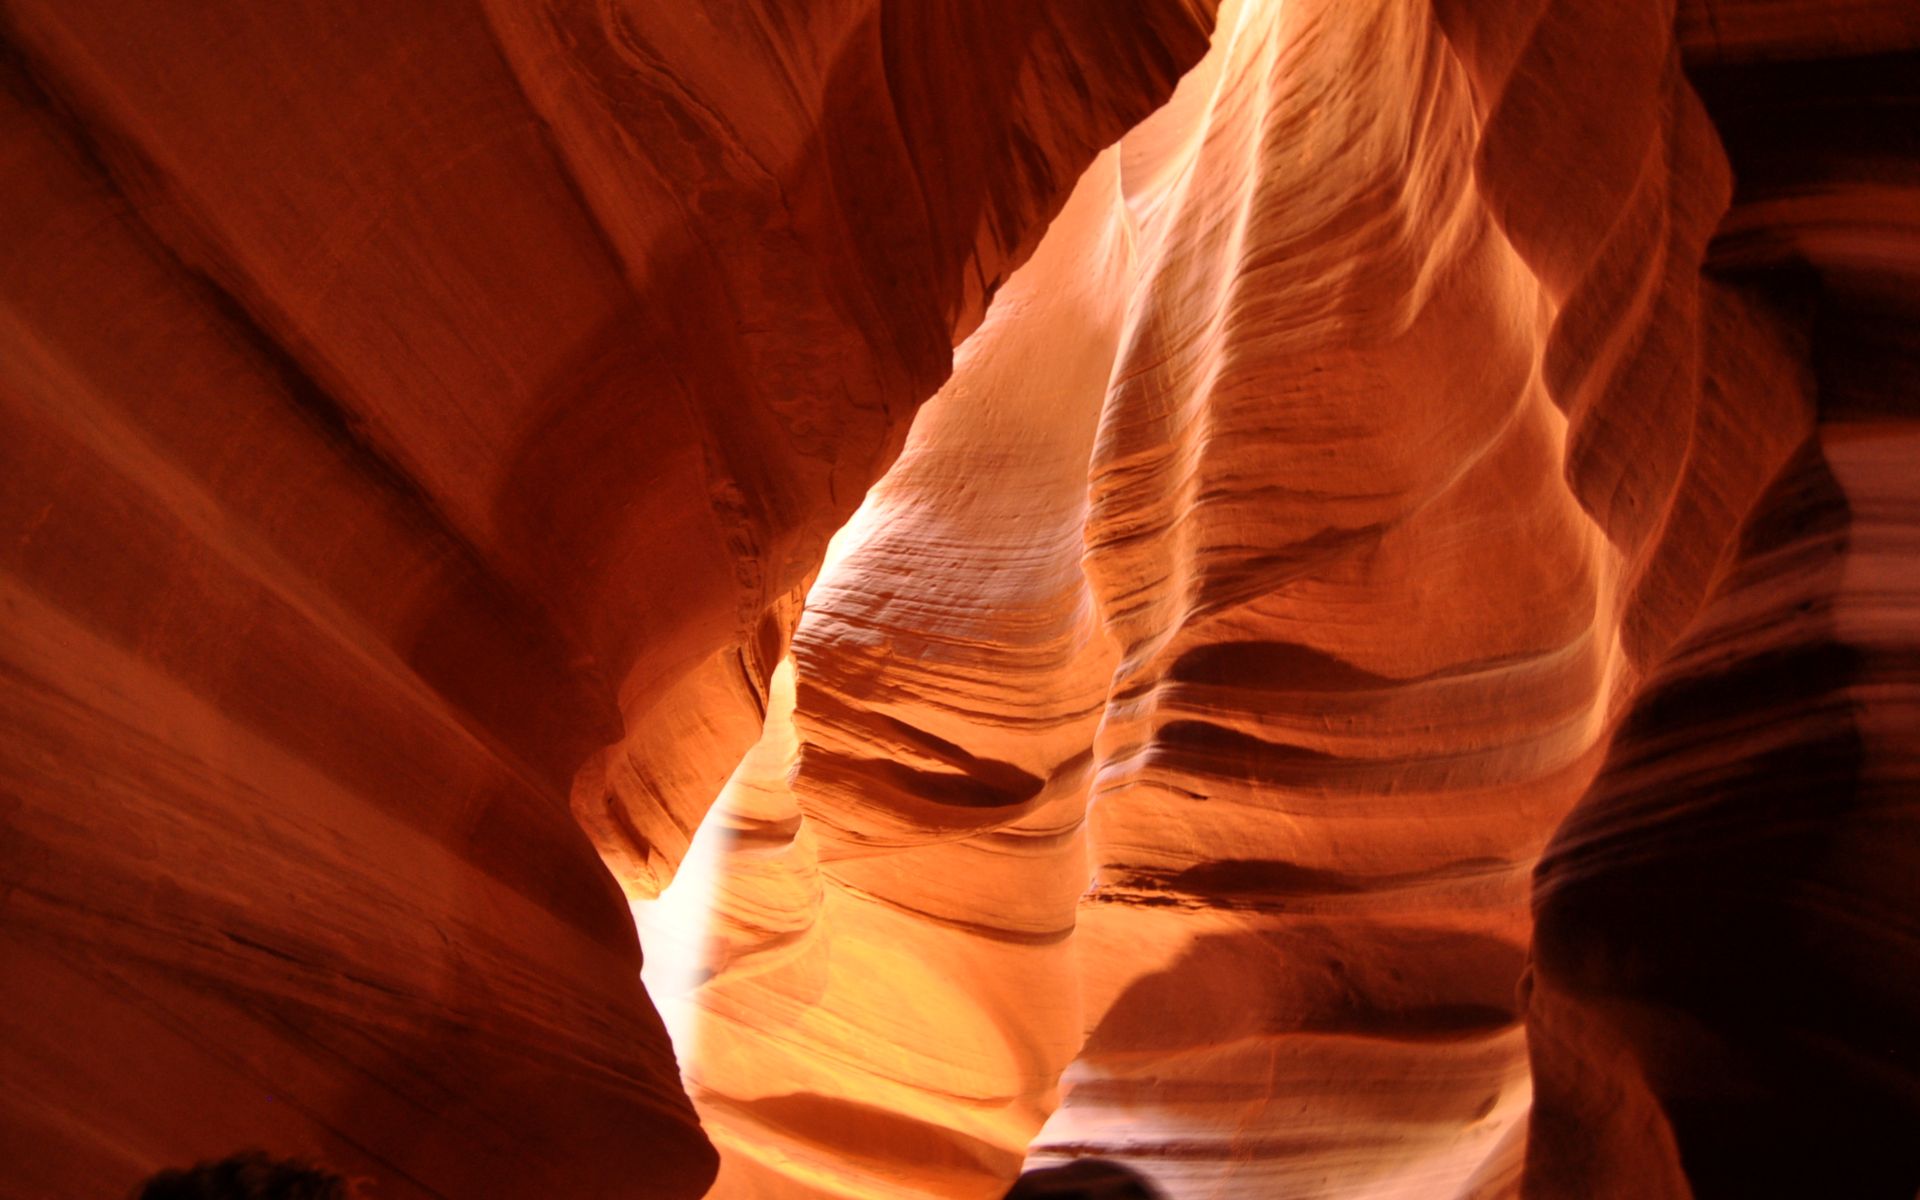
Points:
(1365, 654)
(895, 990)
(1724, 1000)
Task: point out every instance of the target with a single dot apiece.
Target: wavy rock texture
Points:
(894, 989)
(1387, 671)
(1724, 999)
(402, 404)
(1320, 642)
(1463, 465)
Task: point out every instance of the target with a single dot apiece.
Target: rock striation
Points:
(418, 421)
(1385, 668)
(1476, 473)
(1724, 995)
(894, 987)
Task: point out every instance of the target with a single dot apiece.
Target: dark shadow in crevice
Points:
(1084, 1179)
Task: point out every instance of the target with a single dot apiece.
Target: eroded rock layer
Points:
(1723, 1000)
(401, 404)
(893, 1002)
(1467, 481)
(1362, 672)
(1387, 671)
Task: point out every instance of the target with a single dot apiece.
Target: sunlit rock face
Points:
(418, 420)
(896, 988)
(1388, 670)
(1234, 573)
(1483, 523)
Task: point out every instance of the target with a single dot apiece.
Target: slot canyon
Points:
(1315, 599)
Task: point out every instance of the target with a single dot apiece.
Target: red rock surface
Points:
(1448, 407)
(1386, 671)
(1726, 996)
(402, 403)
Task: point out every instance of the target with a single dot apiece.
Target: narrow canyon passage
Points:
(1370, 652)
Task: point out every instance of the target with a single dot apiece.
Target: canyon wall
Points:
(894, 986)
(1724, 999)
(1387, 670)
(401, 404)
(1475, 474)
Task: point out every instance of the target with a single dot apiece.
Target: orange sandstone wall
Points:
(1386, 671)
(895, 988)
(399, 403)
(1467, 481)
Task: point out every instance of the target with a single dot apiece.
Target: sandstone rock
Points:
(1387, 669)
(401, 403)
(1437, 431)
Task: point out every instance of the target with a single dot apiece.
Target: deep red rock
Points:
(401, 402)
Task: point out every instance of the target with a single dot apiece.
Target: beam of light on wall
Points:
(677, 935)
(674, 929)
